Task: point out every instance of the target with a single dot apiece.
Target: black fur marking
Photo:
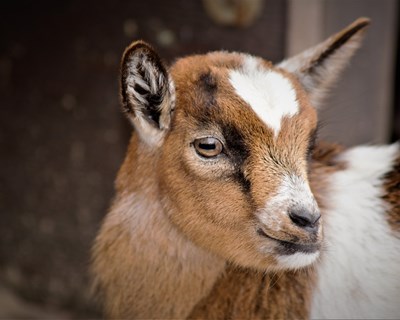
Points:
(208, 82)
(236, 145)
(243, 181)
(209, 87)
(238, 151)
(139, 89)
(311, 143)
(336, 45)
(155, 99)
(151, 107)
(140, 69)
(152, 113)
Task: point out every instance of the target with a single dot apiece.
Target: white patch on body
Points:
(270, 94)
(297, 260)
(359, 275)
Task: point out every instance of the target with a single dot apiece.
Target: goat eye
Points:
(208, 147)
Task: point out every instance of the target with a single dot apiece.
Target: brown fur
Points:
(250, 294)
(228, 109)
(146, 275)
(392, 195)
(231, 292)
(323, 165)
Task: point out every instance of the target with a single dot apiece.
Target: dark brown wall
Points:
(395, 134)
(62, 135)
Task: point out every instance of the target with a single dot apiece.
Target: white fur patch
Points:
(270, 95)
(293, 192)
(359, 275)
(297, 260)
(154, 81)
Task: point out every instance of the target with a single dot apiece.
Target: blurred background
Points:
(63, 137)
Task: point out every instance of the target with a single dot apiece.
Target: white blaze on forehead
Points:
(270, 94)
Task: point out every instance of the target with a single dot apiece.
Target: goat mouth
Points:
(288, 248)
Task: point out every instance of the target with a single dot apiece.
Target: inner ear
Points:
(319, 67)
(146, 89)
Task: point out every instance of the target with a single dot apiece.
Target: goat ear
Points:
(147, 92)
(319, 67)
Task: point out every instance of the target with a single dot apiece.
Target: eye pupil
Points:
(208, 147)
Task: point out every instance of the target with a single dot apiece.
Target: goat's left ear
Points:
(147, 92)
(319, 67)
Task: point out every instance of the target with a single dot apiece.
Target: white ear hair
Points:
(147, 91)
(319, 67)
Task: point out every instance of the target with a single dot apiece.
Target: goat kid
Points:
(219, 200)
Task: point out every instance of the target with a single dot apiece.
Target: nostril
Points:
(305, 219)
(299, 220)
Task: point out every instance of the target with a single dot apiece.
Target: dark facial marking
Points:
(238, 152)
(236, 145)
(245, 183)
(209, 87)
(311, 143)
(208, 82)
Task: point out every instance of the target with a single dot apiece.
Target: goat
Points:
(226, 207)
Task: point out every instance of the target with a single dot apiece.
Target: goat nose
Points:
(305, 219)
